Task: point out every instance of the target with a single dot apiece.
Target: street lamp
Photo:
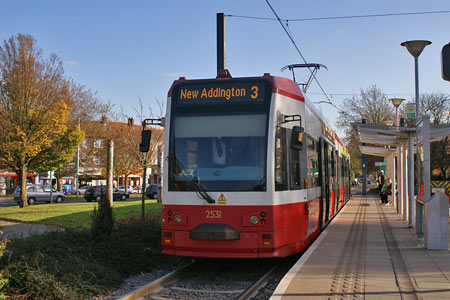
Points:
(396, 102)
(415, 48)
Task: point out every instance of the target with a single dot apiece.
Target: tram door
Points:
(338, 180)
(330, 180)
(325, 183)
(337, 177)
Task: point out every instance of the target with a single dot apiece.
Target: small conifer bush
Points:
(102, 220)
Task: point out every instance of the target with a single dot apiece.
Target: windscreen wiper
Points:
(200, 189)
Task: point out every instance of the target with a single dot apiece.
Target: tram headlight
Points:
(254, 220)
(177, 218)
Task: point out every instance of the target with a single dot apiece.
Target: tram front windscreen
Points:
(220, 144)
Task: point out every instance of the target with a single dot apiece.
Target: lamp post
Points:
(396, 102)
(415, 48)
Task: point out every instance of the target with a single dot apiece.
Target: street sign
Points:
(411, 110)
(379, 163)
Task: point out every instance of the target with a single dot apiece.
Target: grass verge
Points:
(70, 265)
(74, 215)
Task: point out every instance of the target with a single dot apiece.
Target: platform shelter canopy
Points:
(437, 132)
(380, 140)
(377, 151)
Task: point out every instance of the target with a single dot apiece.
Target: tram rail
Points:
(228, 279)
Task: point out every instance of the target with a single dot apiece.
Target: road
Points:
(7, 201)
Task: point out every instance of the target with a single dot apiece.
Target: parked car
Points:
(95, 192)
(151, 191)
(130, 189)
(81, 190)
(137, 189)
(39, 193)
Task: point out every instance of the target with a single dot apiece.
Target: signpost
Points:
(411, 110)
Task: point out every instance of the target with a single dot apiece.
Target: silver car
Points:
(130, 189)
(39, 193)
(81, 190)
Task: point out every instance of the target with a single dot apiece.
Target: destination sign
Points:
(329, 133)
(218, 92)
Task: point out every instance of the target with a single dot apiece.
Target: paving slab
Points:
(12, 230)
(368, 252)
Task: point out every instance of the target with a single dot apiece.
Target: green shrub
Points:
(70, 265)
(3, 281)
(102, 220)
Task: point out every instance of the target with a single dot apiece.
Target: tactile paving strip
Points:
(348, 280)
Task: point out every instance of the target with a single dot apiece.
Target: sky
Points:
(131, 50)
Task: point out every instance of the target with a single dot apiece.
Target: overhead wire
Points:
(345, 17)
(337, 18)
(329, 101)
(358, 94)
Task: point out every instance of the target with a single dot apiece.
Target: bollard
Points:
(436, 222)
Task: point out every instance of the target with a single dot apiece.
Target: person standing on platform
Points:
(385, 191)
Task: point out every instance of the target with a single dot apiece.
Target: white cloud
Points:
(72, 63)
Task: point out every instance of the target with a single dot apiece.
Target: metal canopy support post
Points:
(420, 207)
(364, 172)
(399, 178)
(404, 184)
(394, 180)
(411, 181)
(426, 159)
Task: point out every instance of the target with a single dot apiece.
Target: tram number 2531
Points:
(213, 214)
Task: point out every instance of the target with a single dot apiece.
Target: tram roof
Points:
(281, 85)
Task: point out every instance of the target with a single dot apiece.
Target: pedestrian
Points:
(380, 181)
(385, 191)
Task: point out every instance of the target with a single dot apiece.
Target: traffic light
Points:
(145, 140)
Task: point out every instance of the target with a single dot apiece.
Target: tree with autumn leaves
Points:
(34, 110)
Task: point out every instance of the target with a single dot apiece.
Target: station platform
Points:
(368, 252)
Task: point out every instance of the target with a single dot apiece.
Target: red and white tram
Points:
(251, 169)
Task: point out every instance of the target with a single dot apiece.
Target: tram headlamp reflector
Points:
(254, 220)
(177, 218)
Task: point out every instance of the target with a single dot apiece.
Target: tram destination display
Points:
(220, 93)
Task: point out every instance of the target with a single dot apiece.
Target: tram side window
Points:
(281, 179)
(295, 170)
(333, 164)
(313, 163)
